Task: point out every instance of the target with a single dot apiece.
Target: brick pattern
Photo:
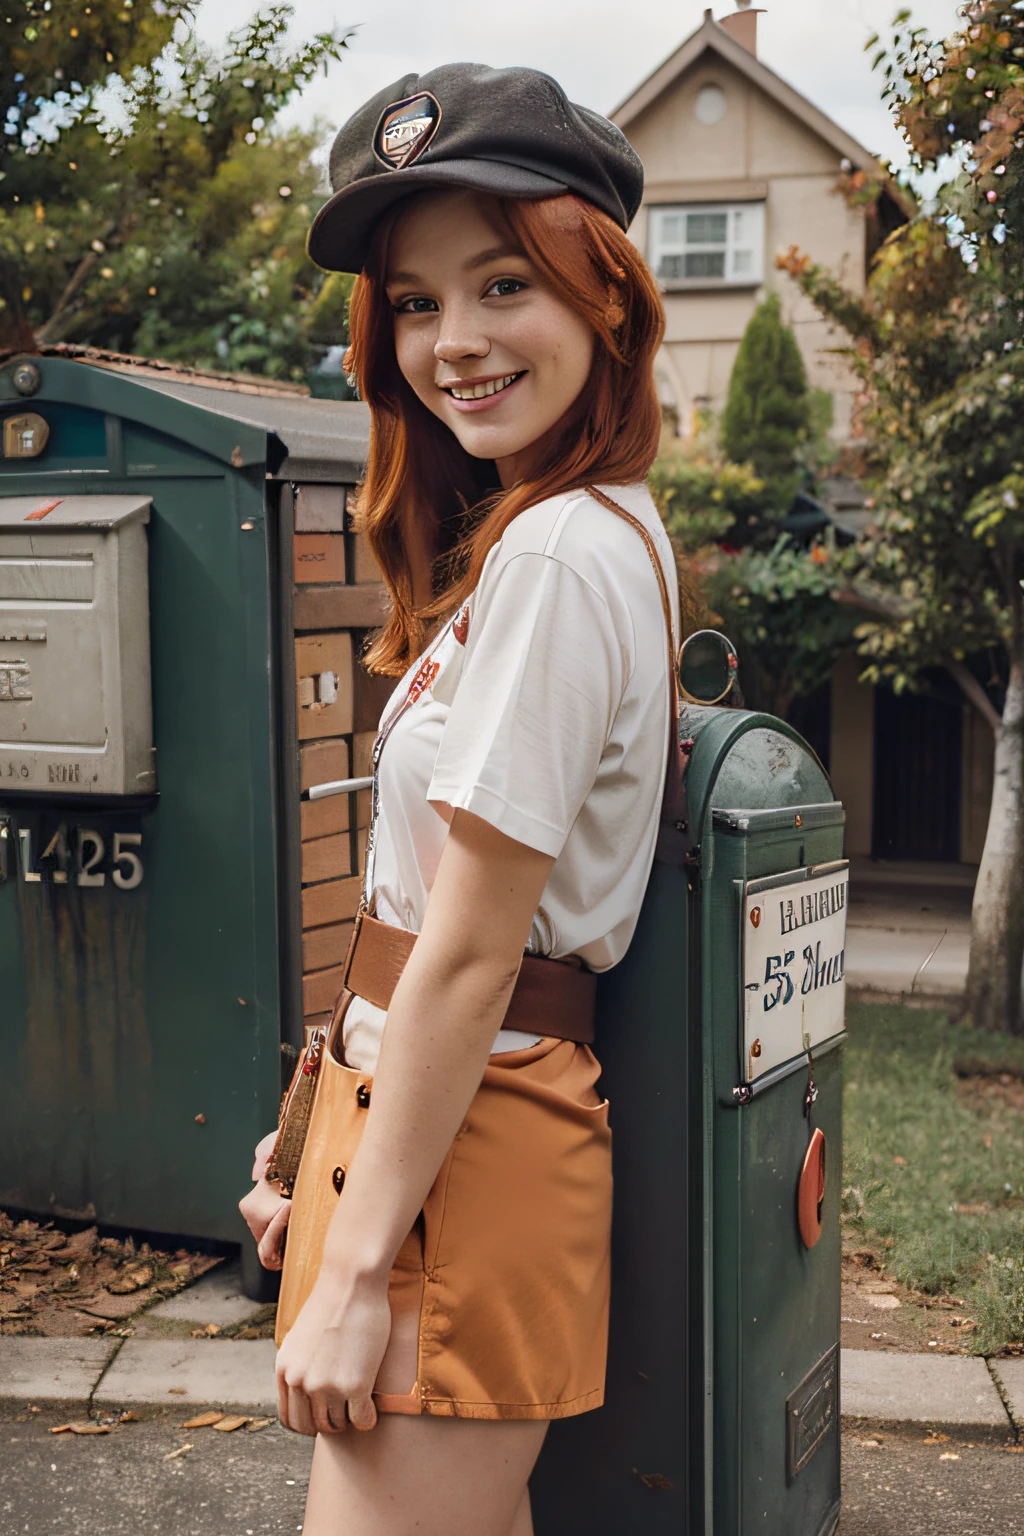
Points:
(338, 596)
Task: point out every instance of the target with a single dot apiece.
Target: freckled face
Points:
(480, 337)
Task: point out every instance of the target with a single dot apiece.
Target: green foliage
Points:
(701, 495)
(780, 606)
(777, 603)
(148, 202)
(961, 1145)
(937, 342)
(767, 414)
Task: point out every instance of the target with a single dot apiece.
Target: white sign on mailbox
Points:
(794, 964)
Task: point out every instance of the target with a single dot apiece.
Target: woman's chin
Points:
(490, 443)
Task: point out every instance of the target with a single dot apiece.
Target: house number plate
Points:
(84, 857)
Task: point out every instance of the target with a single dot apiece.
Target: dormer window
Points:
(708, 245)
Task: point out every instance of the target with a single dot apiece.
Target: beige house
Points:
(739, 167)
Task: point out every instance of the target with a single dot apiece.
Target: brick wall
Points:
(338, 597)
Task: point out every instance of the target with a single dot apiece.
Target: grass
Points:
(934, 1161)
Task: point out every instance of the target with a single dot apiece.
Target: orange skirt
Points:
(501, 1290)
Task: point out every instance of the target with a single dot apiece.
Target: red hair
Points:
(418, 473)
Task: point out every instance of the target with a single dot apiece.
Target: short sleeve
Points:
(544, 674)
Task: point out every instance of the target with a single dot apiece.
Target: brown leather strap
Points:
(551, 997)
(666, 606)
(674, 839)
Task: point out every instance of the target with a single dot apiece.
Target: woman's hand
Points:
(266, 1210)
(328, 1364)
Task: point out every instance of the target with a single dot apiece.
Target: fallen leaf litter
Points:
(71, 1284)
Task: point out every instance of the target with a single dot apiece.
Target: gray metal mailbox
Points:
(76, 712)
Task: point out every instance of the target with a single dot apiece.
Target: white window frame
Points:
(744, 259)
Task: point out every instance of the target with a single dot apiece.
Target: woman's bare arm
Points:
(445, 1013)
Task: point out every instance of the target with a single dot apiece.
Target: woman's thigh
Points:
(424, 1475)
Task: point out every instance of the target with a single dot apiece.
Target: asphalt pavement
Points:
(247, 1483)
(139, 1477)
(897, 1486)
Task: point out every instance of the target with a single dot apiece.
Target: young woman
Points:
(503, 334)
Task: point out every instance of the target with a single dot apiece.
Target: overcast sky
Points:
(598, 49)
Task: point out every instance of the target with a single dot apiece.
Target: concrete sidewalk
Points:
(965, 1398)
(909, 929)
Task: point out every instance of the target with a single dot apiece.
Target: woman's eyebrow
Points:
(482, 259)
(494, 253)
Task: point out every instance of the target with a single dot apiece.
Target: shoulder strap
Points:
(673, 836)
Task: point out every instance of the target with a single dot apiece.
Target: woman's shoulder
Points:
(579, 531)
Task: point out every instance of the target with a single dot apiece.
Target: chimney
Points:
(742, 25)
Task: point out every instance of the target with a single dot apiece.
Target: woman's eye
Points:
(415, 306)
(506, 286)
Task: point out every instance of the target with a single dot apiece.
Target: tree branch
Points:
(50, 331)
(974, 693)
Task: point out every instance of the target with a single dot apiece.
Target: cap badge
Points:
(405, 129)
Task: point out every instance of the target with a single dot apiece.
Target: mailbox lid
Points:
(41, 514)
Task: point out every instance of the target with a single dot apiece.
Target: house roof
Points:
(710, 37)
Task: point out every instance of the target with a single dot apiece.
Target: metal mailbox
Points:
(721, 1037)
(179, 586)
(75, 707)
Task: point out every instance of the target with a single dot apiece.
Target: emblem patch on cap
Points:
(405, 130)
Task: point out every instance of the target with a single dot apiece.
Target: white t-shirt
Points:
(542, 707)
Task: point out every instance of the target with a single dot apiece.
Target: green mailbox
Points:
(156, 630)
(721, 1037)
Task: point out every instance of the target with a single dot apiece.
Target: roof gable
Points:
(713, 38)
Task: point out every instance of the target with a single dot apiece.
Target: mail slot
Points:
(75, 704)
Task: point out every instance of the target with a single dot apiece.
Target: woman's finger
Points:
(260, 1206)
(262, 1155)
(300, 1413)
(328, 1409)
(361, 1412)
(282, 1399)
(271, 1244)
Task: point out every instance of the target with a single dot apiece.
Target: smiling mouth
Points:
(481, 391)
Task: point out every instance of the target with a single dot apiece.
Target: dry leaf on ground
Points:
(205, 1420)
(131, 1280)
(259, 1423)
(231, 1421)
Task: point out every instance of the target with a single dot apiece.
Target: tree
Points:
(938, 343)
(148, 203)
(777, 602)
(767, 412)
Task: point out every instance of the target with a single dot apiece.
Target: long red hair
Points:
(417, 469)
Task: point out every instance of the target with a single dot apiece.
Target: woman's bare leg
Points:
(424, 1475)
(523, 1523)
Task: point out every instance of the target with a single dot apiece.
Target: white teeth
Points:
(480, 391)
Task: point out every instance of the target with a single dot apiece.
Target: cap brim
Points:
(340, 235)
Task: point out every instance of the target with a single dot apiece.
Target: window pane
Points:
(670, 266)
(742, 263)
(671, 232)
(707, 228)
(705, 264)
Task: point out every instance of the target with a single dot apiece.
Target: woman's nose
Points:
(458, 338)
